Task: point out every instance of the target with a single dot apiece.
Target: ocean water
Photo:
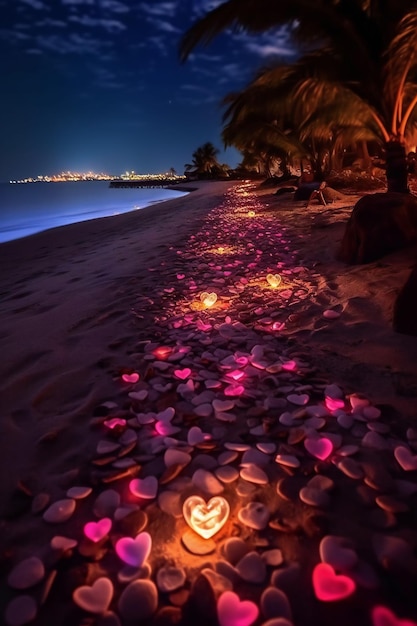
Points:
(33, 207)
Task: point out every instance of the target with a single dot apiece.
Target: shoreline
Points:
(227, 400)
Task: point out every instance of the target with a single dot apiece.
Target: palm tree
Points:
(204, 163)
(371, 49)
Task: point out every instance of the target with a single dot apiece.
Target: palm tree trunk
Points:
(396, 161)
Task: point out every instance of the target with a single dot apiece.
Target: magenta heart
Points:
(334, 403)
(320, 447)
(180, 276)
(382, 616)
(232, 612)
(95, 531)
(329, 586)
(130, 378)
(144, 487)
(183, 374)
(134, 551)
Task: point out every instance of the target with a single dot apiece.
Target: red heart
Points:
(329, 586)
(382, 616)
(130, 378)
(183, 374)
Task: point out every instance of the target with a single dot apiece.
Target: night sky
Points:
(97, 85)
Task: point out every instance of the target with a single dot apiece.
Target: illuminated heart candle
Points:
(274, 280)
(206, 519)
(208, 299)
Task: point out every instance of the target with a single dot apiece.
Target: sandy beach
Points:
(123, 394)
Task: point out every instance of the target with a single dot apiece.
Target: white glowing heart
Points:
(274, 280)
(208, 299)
(206, 518)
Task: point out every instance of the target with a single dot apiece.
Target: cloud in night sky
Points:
(100, 81)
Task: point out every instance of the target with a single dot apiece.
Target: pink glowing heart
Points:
(165, 429)
(206, 519)
(96, 531)
(183, 374)
(114, 422)
(95, 599)
(231, 611)
(180, 276)
(278, 326)
(234, 390)
(130, 378)
(146, 488)
(242, 361)
(320, 447)
(236, 374)
(208, 299)
(382, 616)
(333, 404)
(169, 290)
(329, 586)
(134, 552)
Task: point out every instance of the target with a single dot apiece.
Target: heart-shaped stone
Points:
(167, 415)
(135, 551)
(95, 531)
(94, 599)
(405, 458)
(206, 519)
(146, 488)
(300, 399)
(329, 586)
(274, 280)
(338, 552)
(383, 616)
(234, 390)
(231, 611)
(208, 299)
(130, 378)
(182, 374)
(196, 436)
(320, 447)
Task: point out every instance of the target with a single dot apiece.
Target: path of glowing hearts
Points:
(223, 479)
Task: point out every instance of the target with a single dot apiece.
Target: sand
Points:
(84, 304)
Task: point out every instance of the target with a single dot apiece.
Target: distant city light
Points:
(68, 176)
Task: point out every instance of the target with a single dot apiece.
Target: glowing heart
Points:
(95, 531)
(274, 280)
(333, 404)
(134, 551)
(382, 616)
(329, 586)
(206, 518)
(94, 599)
(320, 447)
(231, 611)
(131, 378)
(251, 213)
(183, 374)
(208, 299)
